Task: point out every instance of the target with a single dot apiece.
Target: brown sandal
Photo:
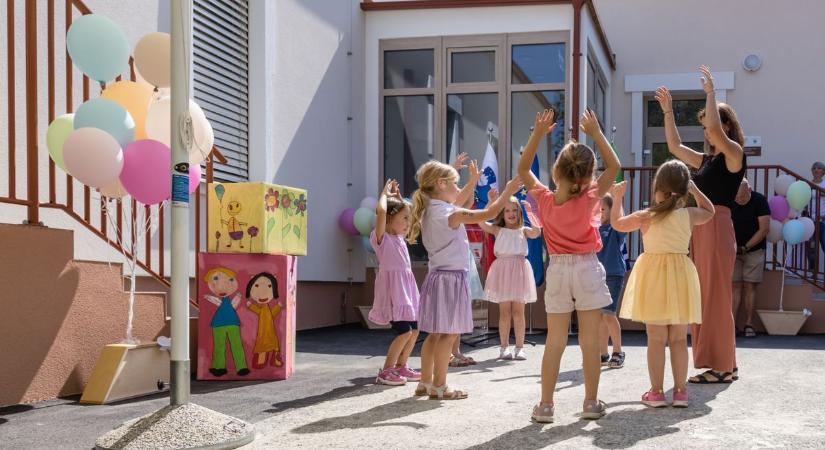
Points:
(442, 393)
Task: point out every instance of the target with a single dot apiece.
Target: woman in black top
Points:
(713, 246)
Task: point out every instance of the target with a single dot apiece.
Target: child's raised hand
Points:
(460, 160)
(618, 190)
(545, 122)
(663, 97)
(395, 191)
(512, 187)
(590, 124)
(475, 174)
(492, 195)
(707, 79)
(387, 188)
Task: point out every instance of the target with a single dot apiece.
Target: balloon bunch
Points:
(119, 142)
(791, 198)
(360, 221)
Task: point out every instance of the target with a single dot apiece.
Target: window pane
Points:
(684, 112)
(473, 67)
(525, 105)
(538, 63)
(408, 69)
(409, 127)
(469, 120)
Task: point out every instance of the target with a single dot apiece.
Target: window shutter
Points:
(221, 83)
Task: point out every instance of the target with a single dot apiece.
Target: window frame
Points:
(443, 47)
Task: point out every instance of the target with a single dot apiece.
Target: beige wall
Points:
(781, 102)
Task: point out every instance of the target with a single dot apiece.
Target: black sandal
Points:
(749, 331)
(616, 360)
(718, 377)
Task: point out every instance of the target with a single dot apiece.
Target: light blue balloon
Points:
(793, 231)
(108, 116)
(799, 194)
(365, 241)
(97, 47)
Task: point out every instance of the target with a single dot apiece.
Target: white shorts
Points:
(575, 282)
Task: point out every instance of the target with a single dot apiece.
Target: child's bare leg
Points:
(396, 347)
(505, 313)
(677, 340)
(604, 335)
(589, 322)
(657, 337)
(557, 324)
(428, 357)
(442, 358)
(412, 336)
(518, 322)
(614, 330)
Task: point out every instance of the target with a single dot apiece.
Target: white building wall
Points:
(442, 22)
(316, 87)
(781, 102)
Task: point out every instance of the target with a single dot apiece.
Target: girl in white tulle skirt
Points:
(510, 281)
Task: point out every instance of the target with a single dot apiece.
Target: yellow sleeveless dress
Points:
(663, 288)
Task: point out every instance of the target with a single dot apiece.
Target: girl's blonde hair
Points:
(575, 164)
(427, 178)
(499, 220)
(672, 180)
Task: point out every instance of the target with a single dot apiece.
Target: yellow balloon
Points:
(133, 97)
(152, 58)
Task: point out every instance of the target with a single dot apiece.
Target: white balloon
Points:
(369, 203)
(809, 227)
(782, 183)
(775, 231)
(158, 125)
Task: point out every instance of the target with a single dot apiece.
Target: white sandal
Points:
(426, 389)
(454, 394)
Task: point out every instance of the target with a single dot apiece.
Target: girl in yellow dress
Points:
(663, 288)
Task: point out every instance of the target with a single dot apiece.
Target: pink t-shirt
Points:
(572, 227)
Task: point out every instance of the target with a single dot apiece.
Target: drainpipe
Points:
(577, 53)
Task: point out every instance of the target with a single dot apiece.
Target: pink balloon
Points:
(194, 177)
(92, 156)
(346, 223)
(147, 171)
(779, 207)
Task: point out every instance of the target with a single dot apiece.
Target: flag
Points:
(489, 176)
(535, 247)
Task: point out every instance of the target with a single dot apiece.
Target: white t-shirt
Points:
(447, 248)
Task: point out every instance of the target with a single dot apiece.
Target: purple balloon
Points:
(779, 207)
(345, 221)
(147, 171)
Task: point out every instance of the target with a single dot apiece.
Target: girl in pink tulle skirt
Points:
(510, 281)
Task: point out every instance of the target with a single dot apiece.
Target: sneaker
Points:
(390, 377)
(505, 353)
(616, 360)
(654, 399)
(593, 409)
(543, 413)
(605, 359)
(410, 374)
(520, 355)
(680, 398)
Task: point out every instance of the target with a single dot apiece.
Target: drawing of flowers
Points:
(271, 199)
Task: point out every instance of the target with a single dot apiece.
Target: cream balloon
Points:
(158, 125)
(153, 58)
(113, 190)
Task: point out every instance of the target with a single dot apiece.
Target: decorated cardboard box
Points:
(257, 218)
(246, 325)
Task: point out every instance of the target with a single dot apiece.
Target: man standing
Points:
(751, 222)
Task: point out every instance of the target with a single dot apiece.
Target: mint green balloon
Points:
(363, 221)
(799, 194)
(60, 128)
(98, 47)
(106, 115)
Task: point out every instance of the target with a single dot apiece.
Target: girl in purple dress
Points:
(396, 293)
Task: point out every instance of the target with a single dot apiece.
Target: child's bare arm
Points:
(618, 220)
(544, 124)
(480, 215)
(590, 126)
(465, 196)
(381, 211)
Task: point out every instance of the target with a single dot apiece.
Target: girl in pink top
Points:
(575, 277)
(396, 293)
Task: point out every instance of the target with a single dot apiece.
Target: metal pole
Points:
(181, 141)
